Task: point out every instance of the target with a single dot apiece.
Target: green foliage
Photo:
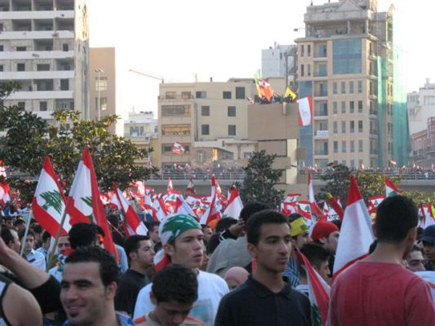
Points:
(337, 181)
(419, 197)
(260, 180)
(29, 139)
(373, 184)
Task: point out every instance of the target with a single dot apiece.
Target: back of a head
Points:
(250, 209)
(224, 224)
(253, 227)
(109, 272)
(82, 235)
(175, 283)
(6, 235)
(394, 218)
(293, 217)
(315, 253)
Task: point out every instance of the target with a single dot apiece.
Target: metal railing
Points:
(426, 176)
(199, 176)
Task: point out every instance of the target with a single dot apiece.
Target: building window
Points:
(103, 103)
(344, 162)
(334, 88)
(21, 49)
(352, 164)
(231, 111)
(176, 110)
(201, 94)
(352, 126)
(64, 84)
(1, 48)
(360, 86)
(1, 67)
(44, 67)
(323, 72)
(22, 105)
(302, 70)
(343, 127)
(335, 107)
(205, 111)
(343, 107)
(347, 56)
(351, 87)
(42, 106)
(186, 95)
(360, 146)
(343, 87)
(227, 95)
(309, 50)
(65, 47)
(240, 93)
(302, 50)
(176, 130)
(343, 146)
(351, 106)
(101, 84)
(360, 126)
(335, 127)
(247, 156)
(335, 147)
(205, 129)
(308, 70)
(170, 95)
(360, 106)
(21, 67)
(200, 156)
(361, 163)
(231, 130)
(352, 146)
(322, 51)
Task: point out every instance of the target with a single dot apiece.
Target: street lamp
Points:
(99, 71)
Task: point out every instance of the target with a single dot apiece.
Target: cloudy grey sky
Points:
(223, 39)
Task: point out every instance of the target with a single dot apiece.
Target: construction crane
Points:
(153, 76)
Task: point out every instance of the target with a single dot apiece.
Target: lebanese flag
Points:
(291, 198)
(391, 189)
(305, 111)
(356, 234)
(5, 196)
(316, 212)
(304, 208)
(159, 209)
(212, 213)
(374, 202)
(48, 204)
(218, 188)
(137, 189)
(190, 190)
(428, 216)
(318, 289)
(178, 148)
(84, 204)
(183, 208)
(170, 186)
(234, 206)
(336, 206)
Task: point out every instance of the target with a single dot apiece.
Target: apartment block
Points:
(346, 62)
(196, 113)
(421, 107)
(44, 46)
(279, 61)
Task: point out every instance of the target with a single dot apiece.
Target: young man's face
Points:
(29, 244)
(429, 251)
(324, 271)
(83, 294)
(63, 244)
(207, 234)
(144, 254)
(172, 313)
(154, 235)
(302, 239)
(188, 249)
(16, 242)
(274, 247)
(415, 261)
(332, 242)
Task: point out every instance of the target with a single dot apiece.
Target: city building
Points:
(274, 59)
(421, 107)
(423, 145)
(348, 62)
(44, 46)
(195, 114)
(102, 74)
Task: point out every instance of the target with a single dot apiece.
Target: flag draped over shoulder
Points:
(356, 234)
(49, 203)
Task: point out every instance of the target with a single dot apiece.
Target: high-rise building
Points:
(346, 61)
(44, 46)
(421, 107)
(274, 60)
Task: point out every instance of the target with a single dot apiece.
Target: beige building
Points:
(345, 43)
(44, 46)
(203, 112)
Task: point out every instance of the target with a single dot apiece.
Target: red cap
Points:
(323, 229)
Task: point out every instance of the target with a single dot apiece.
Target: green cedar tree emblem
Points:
(52, 199)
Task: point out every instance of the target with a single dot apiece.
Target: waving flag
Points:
(49, 201)
(335, 204)
(316, 212)
(318, 290)
(374, 202)
(131, 217)
(428, 215)
(170, 187)
(212, 213)
(159, 210)
(183, 208)
(391, 189)
(291, 198)
(305, 111)
(356, 231)
(190, 190)
(84, 204)
(178, 148)
(5, 196)
(234, 206)
(264, 89)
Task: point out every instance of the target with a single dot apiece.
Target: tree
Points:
(372, 184)
(28, 139)
(260, 180)
(337, 178)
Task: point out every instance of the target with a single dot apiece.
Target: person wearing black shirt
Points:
(140, 254)
(265, 298)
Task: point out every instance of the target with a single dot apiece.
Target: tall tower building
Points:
(346, 62)
(44, 46)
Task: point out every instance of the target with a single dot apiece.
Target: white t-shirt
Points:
(211, 289)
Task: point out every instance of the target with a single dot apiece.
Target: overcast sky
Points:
(223, 39)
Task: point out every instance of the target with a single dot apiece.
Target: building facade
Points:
(346, 62)
(192, 113)
(421, 107)
(274, 60)
(44, 46)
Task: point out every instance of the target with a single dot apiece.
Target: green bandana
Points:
(176, 225)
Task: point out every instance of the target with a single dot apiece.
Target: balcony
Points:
(26, 75)
(321, 152)
(176, 97)
(41, 95)
(322, 134)
(36, 35)
(14, 55)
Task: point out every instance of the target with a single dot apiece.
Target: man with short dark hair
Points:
(32, 256)
(265, 298)
(153, 233)
(428, 240)
(415, 259)
(88, 290)
(174, 290)
(44, 249)
(140, 255)
(10, 237)
(326, 234)
(83, 235)
(379, 290)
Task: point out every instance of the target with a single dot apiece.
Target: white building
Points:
(140, 125)
(44, 46)
(273, 61)
(421, 107)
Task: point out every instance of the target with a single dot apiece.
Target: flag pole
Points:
(25, 234)
(56, 242)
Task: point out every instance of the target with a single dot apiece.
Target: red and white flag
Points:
(374, 202)
(316, 212)
(131, 217)
(183, 208)
(291, 198)
(305, 111)
(190, 190)
(234, 206)
(84, 204)
(5, 196)
(428, 216)
(212, 213)
(49, 202)
(170, 187)
(178, 148)
(159, 210)
(356, 234)
(391, 189)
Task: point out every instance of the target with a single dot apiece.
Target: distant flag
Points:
(305, 111)
(394, 163)
(264, 89)
(428, 215)
(251, 100)
(5, 196)
(170, 186)
(356, 234)
(182, 207)
(374, 202)
(49, 202)
(289, 95)
(316, 212)
(212, 213)
(190, 190)
(159, 209)
(292, 198)
(234, 206)
(133, 220)
(335, 205)
(178, 148)
(2, 170)
(391, 189)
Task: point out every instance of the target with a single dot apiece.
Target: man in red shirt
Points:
(379, 290)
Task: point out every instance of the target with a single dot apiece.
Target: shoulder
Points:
(209, 278)
(299, 296)
(145, 292)
(237, 296)
(191, 321)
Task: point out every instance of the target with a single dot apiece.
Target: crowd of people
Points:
(185, 171)
(245, 271)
